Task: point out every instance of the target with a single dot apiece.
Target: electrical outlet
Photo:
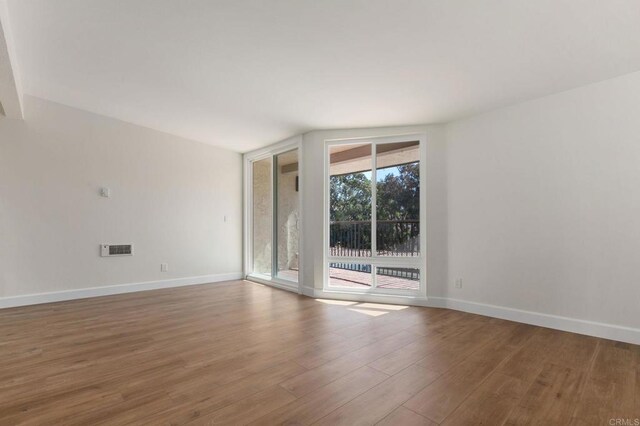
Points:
(164, 267)
(459, 283)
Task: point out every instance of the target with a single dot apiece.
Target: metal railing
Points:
(393, 238)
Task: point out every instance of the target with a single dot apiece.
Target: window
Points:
(374, 210)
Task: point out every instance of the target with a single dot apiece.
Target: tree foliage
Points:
(398, 195)
(350, 197)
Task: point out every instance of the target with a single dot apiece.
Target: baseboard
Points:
(590, 328)
(282, 285)
(573, 325)
(59, 296)
(369, 298)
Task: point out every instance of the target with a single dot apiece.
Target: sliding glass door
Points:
(287, 211)
(275, 217)
(262, 216)
(374, 214)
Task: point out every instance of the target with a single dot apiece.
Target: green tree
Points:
(398, 195)
(398, 199)
(350, 196)
(398, 206)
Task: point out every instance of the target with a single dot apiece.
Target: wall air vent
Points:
(107, 250)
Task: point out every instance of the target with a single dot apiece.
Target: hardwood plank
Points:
(403, 357)
(315, 357)
(405, 417)
(238, 352)
(375, 404)
(198, 399)
(459, 347)
(527, 363)
(329, 371)
(490, 404)
(249, 409)
(551, 398)
(610, 387)
(322, 401)
(314, 378)
(445, 394)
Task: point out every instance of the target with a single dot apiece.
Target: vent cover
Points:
(107, 250)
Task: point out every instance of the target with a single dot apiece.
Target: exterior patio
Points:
(339, 277)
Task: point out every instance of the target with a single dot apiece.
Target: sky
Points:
(382, 173)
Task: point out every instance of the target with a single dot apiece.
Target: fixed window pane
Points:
(397, 278)
(398, 199)
(350, 200)
(350, 275)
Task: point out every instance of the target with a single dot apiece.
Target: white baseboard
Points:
(59, 296)
(573, 325)
(590, 328)
(370, 298)
(281, 284)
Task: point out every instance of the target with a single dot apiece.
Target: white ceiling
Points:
(245, 73)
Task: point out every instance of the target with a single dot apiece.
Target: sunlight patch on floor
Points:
(336, 302)
(370, 312)
(381, 306)
(371, 309)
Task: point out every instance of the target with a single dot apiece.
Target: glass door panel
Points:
(262, 216)
(287, 214)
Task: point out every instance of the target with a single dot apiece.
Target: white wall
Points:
(544, 204)
(313, 204)
(169, 197)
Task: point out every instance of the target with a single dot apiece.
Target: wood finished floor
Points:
(241, 353)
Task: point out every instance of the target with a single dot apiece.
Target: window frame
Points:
(418, 262)
(249, 158)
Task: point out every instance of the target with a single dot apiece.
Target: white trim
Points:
(393, 299)
(374, 210)
(590, 328)
(418, 262)
(398, 261)
(301, 216)
(83, 293)
(260, 154)
(274, 149)
(423, 214)
(573, 325)
(277, 283)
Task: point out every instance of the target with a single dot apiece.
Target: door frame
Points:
(419, 262)
(248, 159)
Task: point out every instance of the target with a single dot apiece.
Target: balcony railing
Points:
(393, 238)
